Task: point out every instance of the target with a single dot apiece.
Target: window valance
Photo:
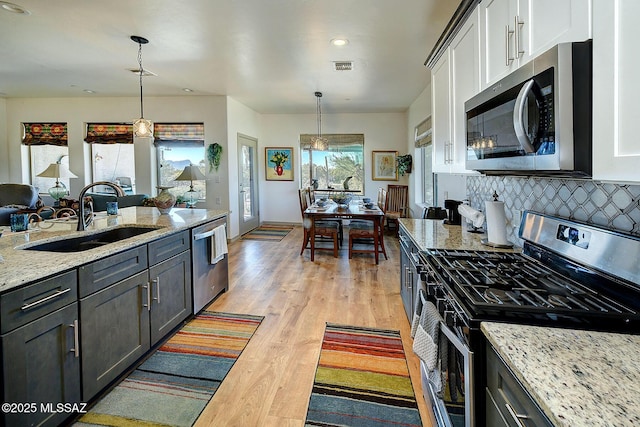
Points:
(45, 134)
(109, 133)
(178, 132)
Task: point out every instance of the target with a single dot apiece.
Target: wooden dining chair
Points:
(396, 205)
(323, 229)
(364, 232)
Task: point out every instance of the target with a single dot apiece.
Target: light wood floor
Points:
(270, 383)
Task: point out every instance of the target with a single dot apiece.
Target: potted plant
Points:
(214, 155)
(181, 202)
(404, 164)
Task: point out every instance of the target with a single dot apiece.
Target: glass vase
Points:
(164, 201)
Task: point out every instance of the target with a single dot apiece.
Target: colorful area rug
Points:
(268, 232)
(362, 379)
(173, 386)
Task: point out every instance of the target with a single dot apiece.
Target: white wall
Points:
(279, 199)
(245, 121)
(77, 111)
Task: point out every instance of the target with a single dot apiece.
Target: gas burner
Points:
(559, 300)
(496, 296)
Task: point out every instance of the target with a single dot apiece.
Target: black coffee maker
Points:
(454, 217)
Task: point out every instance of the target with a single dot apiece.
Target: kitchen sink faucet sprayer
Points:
(85, 219)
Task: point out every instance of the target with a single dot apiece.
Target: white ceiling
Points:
(270, 55)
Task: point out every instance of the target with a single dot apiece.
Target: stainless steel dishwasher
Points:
(209, 280)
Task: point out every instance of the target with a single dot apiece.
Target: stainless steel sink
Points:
(90, 241)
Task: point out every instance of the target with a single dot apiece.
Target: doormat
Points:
(173, 386)
(362, 379)
(269, 232)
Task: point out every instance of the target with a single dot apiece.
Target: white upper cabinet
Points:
(455, 79)
(616, 89)
(441, 113)
(512, 32)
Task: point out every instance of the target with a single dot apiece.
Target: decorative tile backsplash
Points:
(612, 206)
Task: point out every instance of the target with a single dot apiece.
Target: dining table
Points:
(355, 210)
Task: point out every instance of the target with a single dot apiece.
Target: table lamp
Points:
(57, 171)
(191, 173)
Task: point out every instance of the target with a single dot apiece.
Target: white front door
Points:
(248, 183)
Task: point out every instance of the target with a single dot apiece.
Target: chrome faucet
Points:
(86, 219)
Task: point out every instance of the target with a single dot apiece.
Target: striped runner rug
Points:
(362, 379)
(269, 232)
(172, 387)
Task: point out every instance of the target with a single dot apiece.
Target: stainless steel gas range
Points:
(569, 275)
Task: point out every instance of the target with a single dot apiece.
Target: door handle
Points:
(45, 299)
(518, 36)
(76, 339)
(518, 122)
(507, 33)
(148, 289)
(157, 282)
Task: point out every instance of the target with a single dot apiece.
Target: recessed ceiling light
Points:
(14, 8)
(339, 42)
(89, 91)
(186, 89)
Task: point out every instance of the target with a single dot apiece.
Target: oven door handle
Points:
(518, 122)
(455, 340)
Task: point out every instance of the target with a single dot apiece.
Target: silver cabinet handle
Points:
(518, 122)
(148, 304)
(516, 417)
(507, 34)
(76, 339)
(518, 36)
(45, 299)
(157, 282)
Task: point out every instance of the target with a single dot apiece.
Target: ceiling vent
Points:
(343, 65)
(145, 73)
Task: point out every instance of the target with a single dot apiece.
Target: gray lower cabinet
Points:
(507, 402)
(40, 351)
(115, 331)
(127, 306)
(170, 294)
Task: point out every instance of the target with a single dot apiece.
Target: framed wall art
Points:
(383, 166)
(279, 163)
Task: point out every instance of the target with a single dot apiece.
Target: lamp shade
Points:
(190, 173)
(56, 170)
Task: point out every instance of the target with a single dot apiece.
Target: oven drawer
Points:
(508, 403)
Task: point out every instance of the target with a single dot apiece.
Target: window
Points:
(343, 159)
(47, 144)
(112, 154)
(428, 187)
(178, 145)
(424, 148)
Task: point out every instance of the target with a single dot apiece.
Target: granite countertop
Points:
(429, 233)
(18, 266)
(578, 378)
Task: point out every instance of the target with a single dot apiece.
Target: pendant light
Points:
(318, 142)
(142, 128)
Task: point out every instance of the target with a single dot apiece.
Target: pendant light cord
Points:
(140, 69)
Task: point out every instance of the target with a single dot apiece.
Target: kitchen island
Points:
(19, 266)
(78, 309)
(578, 378)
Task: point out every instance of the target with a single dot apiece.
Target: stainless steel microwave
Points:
(537, 120)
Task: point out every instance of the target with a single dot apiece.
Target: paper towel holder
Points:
(486, 241)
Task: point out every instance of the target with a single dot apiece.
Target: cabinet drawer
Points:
(509, 396)
(102, 273)
(31, 302)
(167, 247)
